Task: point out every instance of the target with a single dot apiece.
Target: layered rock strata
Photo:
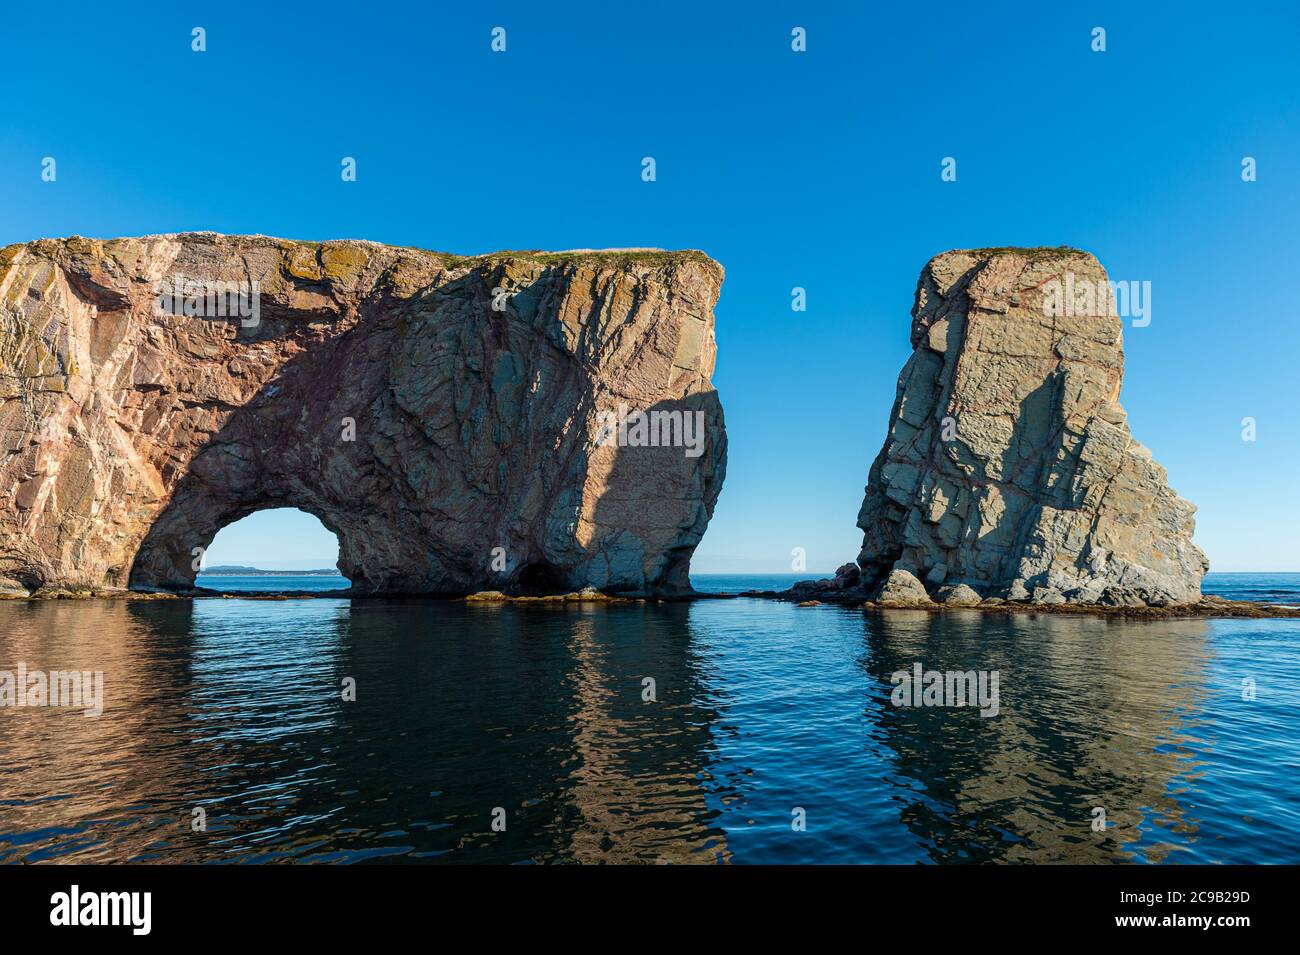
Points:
(461, 423)
(1009, 472)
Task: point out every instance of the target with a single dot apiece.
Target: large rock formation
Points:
(1009, 470)
(453, 420)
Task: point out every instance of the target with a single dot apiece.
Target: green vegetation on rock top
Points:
(1028, 252)
(604, 257)
(615, 257)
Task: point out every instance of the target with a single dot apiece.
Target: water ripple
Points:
(674, 733)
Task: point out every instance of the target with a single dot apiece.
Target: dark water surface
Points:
(235, 706)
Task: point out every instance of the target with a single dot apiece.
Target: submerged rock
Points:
(1009, 467)
(530, 422)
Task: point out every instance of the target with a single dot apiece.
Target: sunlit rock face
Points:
(459, 423)
(1009, 467)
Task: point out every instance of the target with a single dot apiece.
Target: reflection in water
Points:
(635, 784)
(1094, 713)
(235, 707)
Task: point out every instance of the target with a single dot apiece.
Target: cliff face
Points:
(1009, 470)
(453, 420)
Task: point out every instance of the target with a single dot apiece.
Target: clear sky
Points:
(818, 169)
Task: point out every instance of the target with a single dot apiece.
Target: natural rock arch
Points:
(160, 561)
(429, 409)
(282, 539)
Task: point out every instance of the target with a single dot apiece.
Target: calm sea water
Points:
(762, 709)
(309, 582)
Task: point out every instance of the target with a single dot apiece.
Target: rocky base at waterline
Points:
(588, 595)
(903, 591)
(810, 593)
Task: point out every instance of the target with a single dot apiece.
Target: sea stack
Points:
(537, 422)
(1009, 470)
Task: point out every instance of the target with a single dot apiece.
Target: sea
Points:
(744, 730)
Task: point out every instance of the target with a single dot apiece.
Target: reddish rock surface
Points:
(377, 389)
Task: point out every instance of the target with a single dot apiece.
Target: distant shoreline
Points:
(236, 571)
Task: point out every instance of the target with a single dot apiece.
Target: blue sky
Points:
(819, 169)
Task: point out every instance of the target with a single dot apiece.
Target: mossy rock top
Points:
(346, 255)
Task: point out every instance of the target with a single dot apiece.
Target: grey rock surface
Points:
(1009, 467)
(958, 596)
(900, 588)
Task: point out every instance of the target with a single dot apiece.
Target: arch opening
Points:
(277, 548)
